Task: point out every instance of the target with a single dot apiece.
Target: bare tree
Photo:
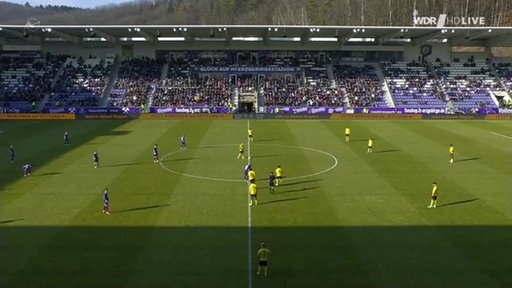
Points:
(282, 12)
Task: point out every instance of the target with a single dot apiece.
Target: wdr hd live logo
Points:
(444, 21)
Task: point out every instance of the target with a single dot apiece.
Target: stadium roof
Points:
(33, 32)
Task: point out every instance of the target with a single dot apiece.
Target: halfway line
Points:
(249, 232)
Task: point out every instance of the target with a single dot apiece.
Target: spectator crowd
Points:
(176, 81)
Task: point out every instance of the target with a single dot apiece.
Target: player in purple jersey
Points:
(66, 138)
(95, 159)
(271, 182)
(11, 153)
(183, 144)
(155, 154)
(246, 172)
(105, 202)
(27, 168)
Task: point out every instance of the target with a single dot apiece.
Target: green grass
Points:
(364, 222)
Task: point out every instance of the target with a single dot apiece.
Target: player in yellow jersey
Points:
(251, 175)
(347, 134)
(279, 175)
(253, 190)
(249, 133)
(433, 199)
(241, 151)
(370, 146)
(452, 152)
(263, 259)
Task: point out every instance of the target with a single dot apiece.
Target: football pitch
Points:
(341, 217)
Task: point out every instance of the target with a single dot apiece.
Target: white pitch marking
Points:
(498, 134)
(334, 165)
(249, 225)
(238, 180)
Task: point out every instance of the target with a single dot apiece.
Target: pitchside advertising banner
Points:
(189, 110)
(371, 110)
(505, 111)
(269, 110)
(137, 110)
(94, 110)
(303, 110)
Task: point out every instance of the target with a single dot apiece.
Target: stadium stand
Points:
(313, 87)
(360, 85)
(468, 84)
(183, 87)
(412, 84)
(25, 81)
(81, 83)
(504, 73)
(137, 78)
(64, 81)
(200, 91)
(281, 91)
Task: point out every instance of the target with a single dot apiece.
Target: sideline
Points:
(498, 134)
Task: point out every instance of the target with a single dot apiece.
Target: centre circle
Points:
(332, 157)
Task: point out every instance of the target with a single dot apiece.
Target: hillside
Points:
(272, 12)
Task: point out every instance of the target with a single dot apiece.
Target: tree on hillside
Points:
(273, 12)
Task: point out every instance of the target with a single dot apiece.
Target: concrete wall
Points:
(442, 51)
(148, 49)
(410, 52)
(79, 51)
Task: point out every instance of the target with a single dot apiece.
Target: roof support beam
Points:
(425, 37)
(25, 35)
(393, 35)
(72, 38)
(304, 37)
(343, 39)
(502, 40)
(150, 38)
(110, 38)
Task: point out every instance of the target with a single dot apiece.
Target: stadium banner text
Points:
(297, 116)
(189, 110)
(498, 117)
(304, 110)
(386, 116)
(242, 116)
(94, 110)
(198, 116)
(36, 116)
(505, 111)
(361, 110)
(245, 70)
(268, 110)
(107, 116)
(453, 116)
